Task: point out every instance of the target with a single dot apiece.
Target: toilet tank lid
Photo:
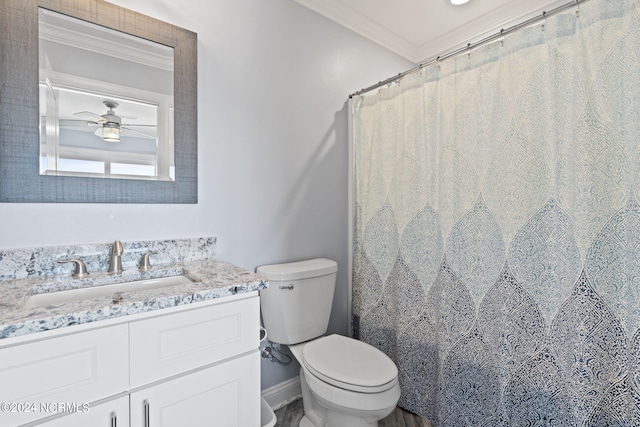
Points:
(298, 270)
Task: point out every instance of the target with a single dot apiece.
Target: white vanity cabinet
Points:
(191, 365)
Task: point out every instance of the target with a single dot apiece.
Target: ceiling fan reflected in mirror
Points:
(111, 125)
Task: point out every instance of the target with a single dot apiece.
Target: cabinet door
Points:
(165, 346)
(224, 395)
(114, 413)
(72, 369)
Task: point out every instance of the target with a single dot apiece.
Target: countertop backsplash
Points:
(43, 261)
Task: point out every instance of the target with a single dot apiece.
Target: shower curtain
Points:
(497, 226)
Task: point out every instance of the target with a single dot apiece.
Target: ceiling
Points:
(419, 30)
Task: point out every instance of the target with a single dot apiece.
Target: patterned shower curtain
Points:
(497, 226)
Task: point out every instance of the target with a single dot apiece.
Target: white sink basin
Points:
(61, 297)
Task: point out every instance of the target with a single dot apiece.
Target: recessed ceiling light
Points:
(457, 2)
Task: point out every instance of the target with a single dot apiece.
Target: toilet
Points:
(345, 382)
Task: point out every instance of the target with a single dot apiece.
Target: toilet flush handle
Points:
(288, 287)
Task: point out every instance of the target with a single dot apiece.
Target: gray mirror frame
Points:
(20, 180)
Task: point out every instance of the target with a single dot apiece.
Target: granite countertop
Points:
(212, 279)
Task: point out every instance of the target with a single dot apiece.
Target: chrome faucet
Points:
(115, 262)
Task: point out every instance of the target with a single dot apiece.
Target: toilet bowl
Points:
(345, 382)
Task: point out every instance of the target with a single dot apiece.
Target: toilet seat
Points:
(349, 364)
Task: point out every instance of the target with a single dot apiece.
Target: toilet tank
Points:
(297, 304)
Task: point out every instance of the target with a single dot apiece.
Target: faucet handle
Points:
(81, 269)
(145, 265)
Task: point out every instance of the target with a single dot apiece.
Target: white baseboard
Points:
(282, 394)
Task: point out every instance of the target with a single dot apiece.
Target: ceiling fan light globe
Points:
(111, 132)
(458, 2)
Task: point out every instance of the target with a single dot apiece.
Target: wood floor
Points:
(290, 415)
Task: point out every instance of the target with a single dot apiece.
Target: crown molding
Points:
(94, 39)
(481, 27)
(350, 18)
(488, 23)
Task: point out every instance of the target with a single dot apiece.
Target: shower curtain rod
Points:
(503, 32)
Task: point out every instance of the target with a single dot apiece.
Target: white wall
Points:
(273, 80)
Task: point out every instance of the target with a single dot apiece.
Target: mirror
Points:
(113, 119)
(94, 90)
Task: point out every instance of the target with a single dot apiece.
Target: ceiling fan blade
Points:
(67, 123)
(142, 134)
(90, 117)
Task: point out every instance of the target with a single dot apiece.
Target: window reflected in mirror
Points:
(106, 102)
